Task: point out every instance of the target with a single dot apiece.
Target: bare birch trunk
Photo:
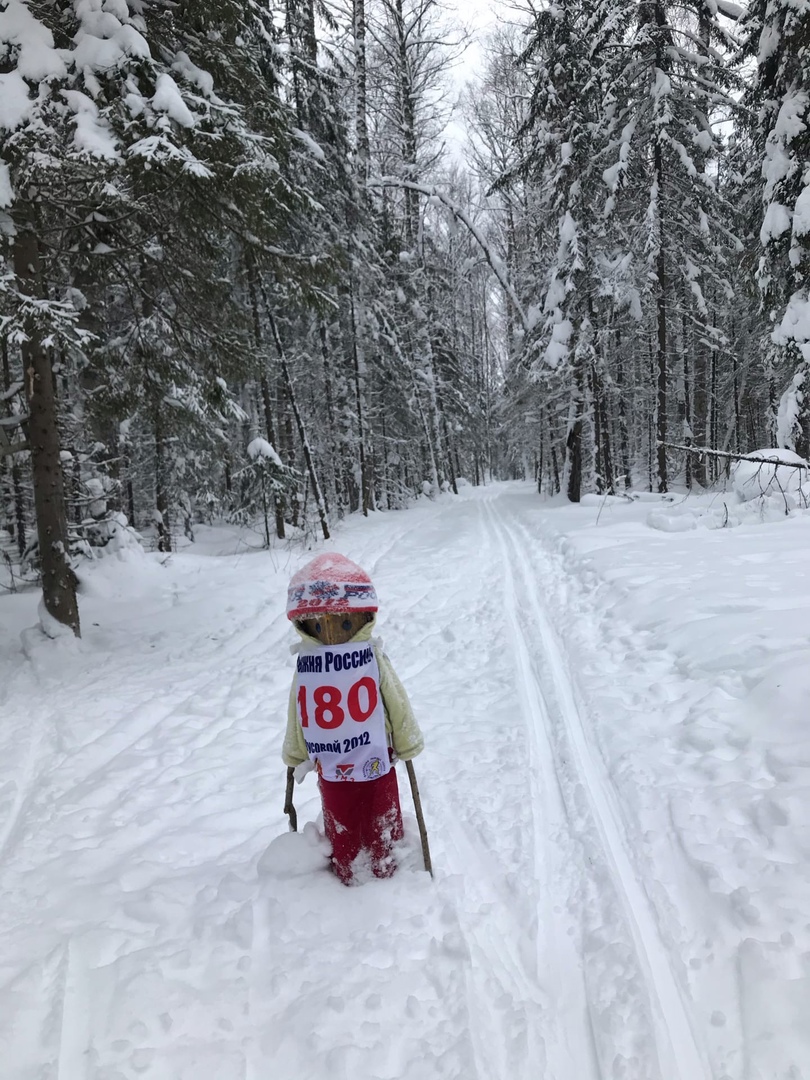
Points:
(361, 88)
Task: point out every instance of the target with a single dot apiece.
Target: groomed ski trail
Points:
(150, 936)
(566, 743)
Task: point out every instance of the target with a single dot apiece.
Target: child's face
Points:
(335, 629)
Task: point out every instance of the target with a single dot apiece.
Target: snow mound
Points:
(766, 486)
(782, 692)
(758, 476)
(728, 513)
(593, 498)
(672, 522)
(295, 854)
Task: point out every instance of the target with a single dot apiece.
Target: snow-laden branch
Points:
(731, 11)
(727, 455)
(495, 263)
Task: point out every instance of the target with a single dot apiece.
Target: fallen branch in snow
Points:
(758, 481)
(727, 454)
(460, 215)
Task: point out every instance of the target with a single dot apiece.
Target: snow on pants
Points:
(362, 821)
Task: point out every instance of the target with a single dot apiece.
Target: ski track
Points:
(149, 800)
(680, 1056)
(572, 1053)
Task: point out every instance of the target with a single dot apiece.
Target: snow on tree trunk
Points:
(58, 579)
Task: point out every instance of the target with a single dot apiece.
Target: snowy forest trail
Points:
(158, 921)
(565, 759)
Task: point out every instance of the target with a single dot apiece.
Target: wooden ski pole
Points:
(289, 809)
(417, 802)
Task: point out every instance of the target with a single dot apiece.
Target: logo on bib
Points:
(344, 772)
(372, 769)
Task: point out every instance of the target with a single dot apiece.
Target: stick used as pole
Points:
(417, 802)
(289, 808)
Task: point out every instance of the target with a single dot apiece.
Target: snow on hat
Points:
(330, 583)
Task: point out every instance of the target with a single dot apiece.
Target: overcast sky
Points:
(480, 16)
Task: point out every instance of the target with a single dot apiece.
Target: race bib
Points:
(341, 712)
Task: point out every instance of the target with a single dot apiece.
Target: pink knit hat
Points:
(330, 583)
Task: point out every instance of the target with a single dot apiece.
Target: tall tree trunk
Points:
(661, 336)
(360, 88)
(714, 405)
(408, 131)
(264, 385)
(16, 473)
(663, 39)
(624, 439)
(299, 23)
(699, 410)
(555, 465)
(597, 430)
(162, 515)
(687, 413)
(386, 469)
(267, 409)
(58, 579)
(429, 448)
(337, 487)
(737, 420)
(451, 472)
(651, 454)
(357, 355)
(607, 455)
(574, 439)
(299, 420)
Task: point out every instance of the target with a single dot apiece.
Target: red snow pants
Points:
(363, 821)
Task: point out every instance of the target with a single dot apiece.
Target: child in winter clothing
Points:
(349, 715)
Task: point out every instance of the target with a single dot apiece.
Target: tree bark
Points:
(556, 469)
(661, 336)
(408, 132)
(361, 88)
(687, 412)
(162, 518)
(16, 475)
(737, 420)
(58, 579)
(699, 407)
(624, 440)
(574, 439)
(663, 40)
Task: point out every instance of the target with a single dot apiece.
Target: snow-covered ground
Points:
(616, 783)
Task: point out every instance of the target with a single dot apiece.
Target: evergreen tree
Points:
(777, 36)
